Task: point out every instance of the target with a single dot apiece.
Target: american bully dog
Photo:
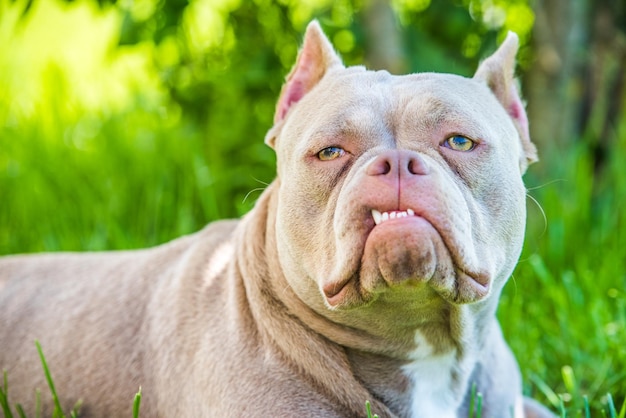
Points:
(369, 270)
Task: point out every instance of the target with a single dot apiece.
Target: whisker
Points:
(541, 186)
(514, 281)
(258, 189)
(260, 181)
(543, 214)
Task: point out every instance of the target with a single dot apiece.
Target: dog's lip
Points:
(333, 291)
(479, 280)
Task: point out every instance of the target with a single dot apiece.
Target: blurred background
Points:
(127, 123)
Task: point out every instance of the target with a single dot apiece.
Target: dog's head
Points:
(404, 188)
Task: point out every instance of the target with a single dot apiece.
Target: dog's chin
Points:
(408, 253)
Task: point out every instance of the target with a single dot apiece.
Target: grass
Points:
(564, 312)
(96, 180)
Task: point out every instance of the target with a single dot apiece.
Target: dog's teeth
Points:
(377, 216)
(385, 216)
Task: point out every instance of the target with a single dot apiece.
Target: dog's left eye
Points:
(330, 153)
(459, 143)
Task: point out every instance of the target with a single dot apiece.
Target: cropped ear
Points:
(498, 72)
(314, 59)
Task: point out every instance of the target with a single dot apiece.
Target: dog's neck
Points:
(389, 367)
(427, 386)
(434, 378)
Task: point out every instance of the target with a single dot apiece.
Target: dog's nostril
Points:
(417, 166)
(380, 167)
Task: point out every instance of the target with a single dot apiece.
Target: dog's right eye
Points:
(459, 143)
(330, 153)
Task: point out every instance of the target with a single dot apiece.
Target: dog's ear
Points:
(498, 72)
(315, 58)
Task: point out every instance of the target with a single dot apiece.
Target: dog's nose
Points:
(398, 163)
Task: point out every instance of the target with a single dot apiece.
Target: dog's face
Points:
(398, 185)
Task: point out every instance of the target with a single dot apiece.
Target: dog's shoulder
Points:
(216, 232)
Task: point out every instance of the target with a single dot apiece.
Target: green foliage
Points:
(130, 179)
(565, 308)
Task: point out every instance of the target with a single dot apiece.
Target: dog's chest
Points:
(432, 380)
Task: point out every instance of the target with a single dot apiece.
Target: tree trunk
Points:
(577, 87)
(383, 46)
(553, 84)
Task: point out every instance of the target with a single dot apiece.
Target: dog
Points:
(369, 269)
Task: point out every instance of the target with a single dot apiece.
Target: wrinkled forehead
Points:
(366, 100)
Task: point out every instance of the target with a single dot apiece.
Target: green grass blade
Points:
(546, 390)
(562, 411)
(567, 372)
(586, 403)
(58, 411)
(622, 411)
(368, 408)
(4, 397)
(20, 411)
(137, 404)
(609, 401)
(76, 408)
(479, 404)
(4, 403)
